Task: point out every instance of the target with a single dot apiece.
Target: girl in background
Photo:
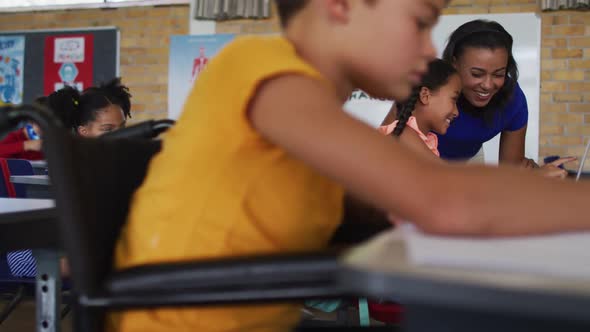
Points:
(92, 113)
(430, 109)
(96, 111)
(101, 109)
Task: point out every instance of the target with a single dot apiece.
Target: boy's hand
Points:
(33, 145)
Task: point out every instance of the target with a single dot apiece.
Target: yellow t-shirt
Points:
(218, 188)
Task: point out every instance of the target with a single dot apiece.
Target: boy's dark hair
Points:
(288, 8)
(77, 109)
(489, 35)
(438, 75)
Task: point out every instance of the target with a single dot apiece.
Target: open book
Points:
(558, 255)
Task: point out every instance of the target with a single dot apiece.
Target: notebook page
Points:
(557, 255)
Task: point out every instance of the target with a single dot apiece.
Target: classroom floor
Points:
(23, 319)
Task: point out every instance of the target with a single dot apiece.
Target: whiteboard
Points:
(525, 28)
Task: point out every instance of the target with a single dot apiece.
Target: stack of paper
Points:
(558, 255)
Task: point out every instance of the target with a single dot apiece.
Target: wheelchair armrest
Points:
(226, 272)
(227, 280)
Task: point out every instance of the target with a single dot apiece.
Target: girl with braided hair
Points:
(101, 109)
(92, 113)
(430, 109)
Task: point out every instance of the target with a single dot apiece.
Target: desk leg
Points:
(48, 290)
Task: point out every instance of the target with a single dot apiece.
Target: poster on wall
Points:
(366, 108)
(12, 56)
(189, 55)
(68, 61)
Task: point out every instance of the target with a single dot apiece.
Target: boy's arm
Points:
(438, 198)
(412, 140)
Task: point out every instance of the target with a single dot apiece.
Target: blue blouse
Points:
(467, 133)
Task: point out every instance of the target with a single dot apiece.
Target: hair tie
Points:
(75, 102)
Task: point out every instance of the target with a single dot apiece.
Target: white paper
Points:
(557, 255)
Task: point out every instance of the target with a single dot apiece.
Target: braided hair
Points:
(63, 103)
(404, 111)
(76, 109)
(439, 72)
(95, 98)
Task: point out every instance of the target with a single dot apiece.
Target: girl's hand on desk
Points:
(552, 169)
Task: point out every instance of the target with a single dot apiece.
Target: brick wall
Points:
(565, 63)
(145, 38)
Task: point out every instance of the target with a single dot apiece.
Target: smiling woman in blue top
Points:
(491, 102)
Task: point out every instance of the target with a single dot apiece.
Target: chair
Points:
(16, 289)
(90, 222)
(13, 289)
(146, 129)
(19, 167)
(6, 187)
(114, 168)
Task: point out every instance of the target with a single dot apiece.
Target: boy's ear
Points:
(424, 96)
(82, 131)
(338, 10)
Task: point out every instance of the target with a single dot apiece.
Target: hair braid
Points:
(404, 111)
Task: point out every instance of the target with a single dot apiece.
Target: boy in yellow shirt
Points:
(262, 153)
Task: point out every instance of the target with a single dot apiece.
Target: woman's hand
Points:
(552, 169)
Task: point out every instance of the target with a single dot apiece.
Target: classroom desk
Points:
(33, 217)
(37, 186)
(14, 205)
(42, 180)
(436, 299)
(39, 166)
(573, 173)
(31, 224)
(454, 299)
